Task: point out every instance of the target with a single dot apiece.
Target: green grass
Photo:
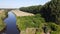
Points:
(2, 16)
(30, 22)
(2, 25)
(37, 22)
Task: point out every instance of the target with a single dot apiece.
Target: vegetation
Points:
(48, 19)
(2, 16)
(31, 9)
(37, 22)
(29, 21)
(50, 11)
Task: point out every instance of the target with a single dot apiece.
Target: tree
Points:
(51, 11)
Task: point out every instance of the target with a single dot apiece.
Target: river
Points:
(11, 24)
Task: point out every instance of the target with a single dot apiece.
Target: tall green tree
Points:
(51, 11)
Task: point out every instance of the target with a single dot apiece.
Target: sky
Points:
(21, 3)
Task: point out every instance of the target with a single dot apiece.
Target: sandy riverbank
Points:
(21, 13)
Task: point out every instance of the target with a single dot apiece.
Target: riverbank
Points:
(21, 13)
(3, 15)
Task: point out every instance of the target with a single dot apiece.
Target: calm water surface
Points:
(11, 24)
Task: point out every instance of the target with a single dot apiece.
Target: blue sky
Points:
(20, 3)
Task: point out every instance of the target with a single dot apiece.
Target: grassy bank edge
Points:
(3, 15)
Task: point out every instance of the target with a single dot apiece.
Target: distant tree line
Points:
(31, 9)
(50, 11)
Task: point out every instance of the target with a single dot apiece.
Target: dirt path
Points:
(21, 13)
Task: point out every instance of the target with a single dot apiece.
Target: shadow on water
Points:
(11, 27)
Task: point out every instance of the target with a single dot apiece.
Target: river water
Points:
(11, 24)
